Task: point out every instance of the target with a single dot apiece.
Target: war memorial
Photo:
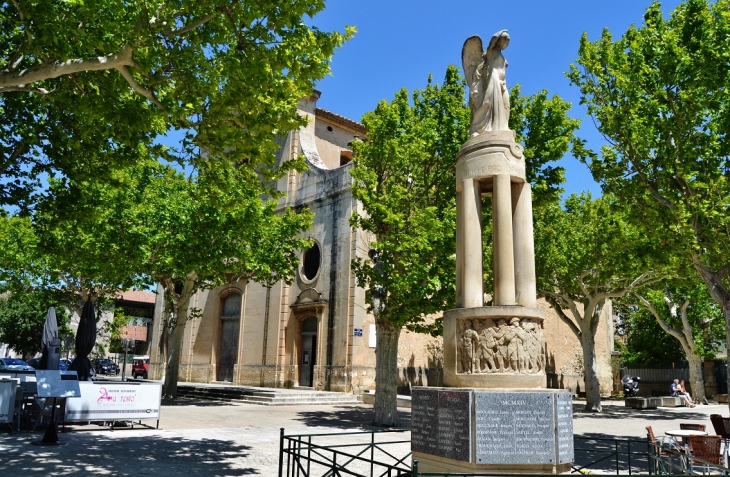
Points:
(495, 413)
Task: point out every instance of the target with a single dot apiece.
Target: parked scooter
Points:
(631, 385)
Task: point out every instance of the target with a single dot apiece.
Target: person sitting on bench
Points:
(676, 390)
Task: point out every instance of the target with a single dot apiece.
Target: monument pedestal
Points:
(495, 430)
(494, 347)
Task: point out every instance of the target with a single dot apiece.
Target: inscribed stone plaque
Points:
(515, 428)
(441, 423)
(564, 424)
(454, 425)
(424, 420)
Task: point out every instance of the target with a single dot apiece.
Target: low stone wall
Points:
(403, 401)
(653, 402)
(418, 376)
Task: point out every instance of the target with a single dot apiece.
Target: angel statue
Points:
(485, 75)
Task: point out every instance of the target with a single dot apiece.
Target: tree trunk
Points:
(696, 379)
(720, 293)
(726, 314)
(386, 375)
(590, 372)
(172, 369)
(174, 345)
(164, 340)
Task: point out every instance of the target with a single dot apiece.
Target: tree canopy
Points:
(586, 254)
(22, 317)
(88, 86)
(659, 97)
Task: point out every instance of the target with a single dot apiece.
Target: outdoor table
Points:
(684, 434)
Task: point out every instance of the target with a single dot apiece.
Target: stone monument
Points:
(496, 414)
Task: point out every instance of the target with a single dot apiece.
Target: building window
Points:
(345, 157)
(311, 262)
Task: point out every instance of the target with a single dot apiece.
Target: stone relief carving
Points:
(485, 73)
(488, 347)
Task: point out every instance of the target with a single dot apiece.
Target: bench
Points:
(643, 402)
(654, 402)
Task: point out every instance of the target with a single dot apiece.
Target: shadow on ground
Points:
(348, 417)
(121, 456)
(618, 412)
(605, 453)
(185, 401)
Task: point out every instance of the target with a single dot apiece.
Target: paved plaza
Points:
(221, 439)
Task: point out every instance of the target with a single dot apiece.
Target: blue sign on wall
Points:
(358, 331)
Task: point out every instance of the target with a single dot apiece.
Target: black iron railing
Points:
(386, 453)
(363, 454)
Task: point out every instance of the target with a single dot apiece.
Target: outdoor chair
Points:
(687, 426)
(722, 429)
(661, 444)
(706, 448)
(664, 448)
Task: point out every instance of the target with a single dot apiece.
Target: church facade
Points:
(316, 332)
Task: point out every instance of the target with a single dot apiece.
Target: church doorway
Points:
(230, 322)
(308, 356)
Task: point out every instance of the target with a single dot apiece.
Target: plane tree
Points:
(658, 95)
(186, 232)
(685, 311)
(587, 252)
(86, 86)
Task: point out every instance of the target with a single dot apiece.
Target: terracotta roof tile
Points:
(341, 120)
(139, 296)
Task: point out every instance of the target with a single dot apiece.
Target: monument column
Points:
(524, 245)
(472, 279)
(494, 357)
(459, 253)
(504, 258)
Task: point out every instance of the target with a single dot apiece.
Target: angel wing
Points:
(471, 57)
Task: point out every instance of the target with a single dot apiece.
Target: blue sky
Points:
(399, 42)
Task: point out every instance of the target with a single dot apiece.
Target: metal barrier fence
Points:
(378, 453)
(624, 456)
(364, 454)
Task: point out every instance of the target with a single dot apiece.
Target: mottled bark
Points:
(180, 304)
(719, 292)
(590, 372)
(696, 379)
(386, 375)
(172, 369)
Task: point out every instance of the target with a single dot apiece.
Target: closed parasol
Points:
(85, 341)
(50, 344)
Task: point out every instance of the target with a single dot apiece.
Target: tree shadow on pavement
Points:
(180, 401)
(604, 453)
(349, 417)
(122, 456)
(660, 414)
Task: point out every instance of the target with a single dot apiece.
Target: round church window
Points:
(311, 262)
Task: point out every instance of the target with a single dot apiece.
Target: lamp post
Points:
(126, 343)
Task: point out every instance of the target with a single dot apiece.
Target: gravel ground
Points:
(222, 439)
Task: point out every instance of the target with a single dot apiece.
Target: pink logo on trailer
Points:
(104, 396)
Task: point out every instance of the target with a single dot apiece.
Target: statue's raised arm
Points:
(485, 74)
